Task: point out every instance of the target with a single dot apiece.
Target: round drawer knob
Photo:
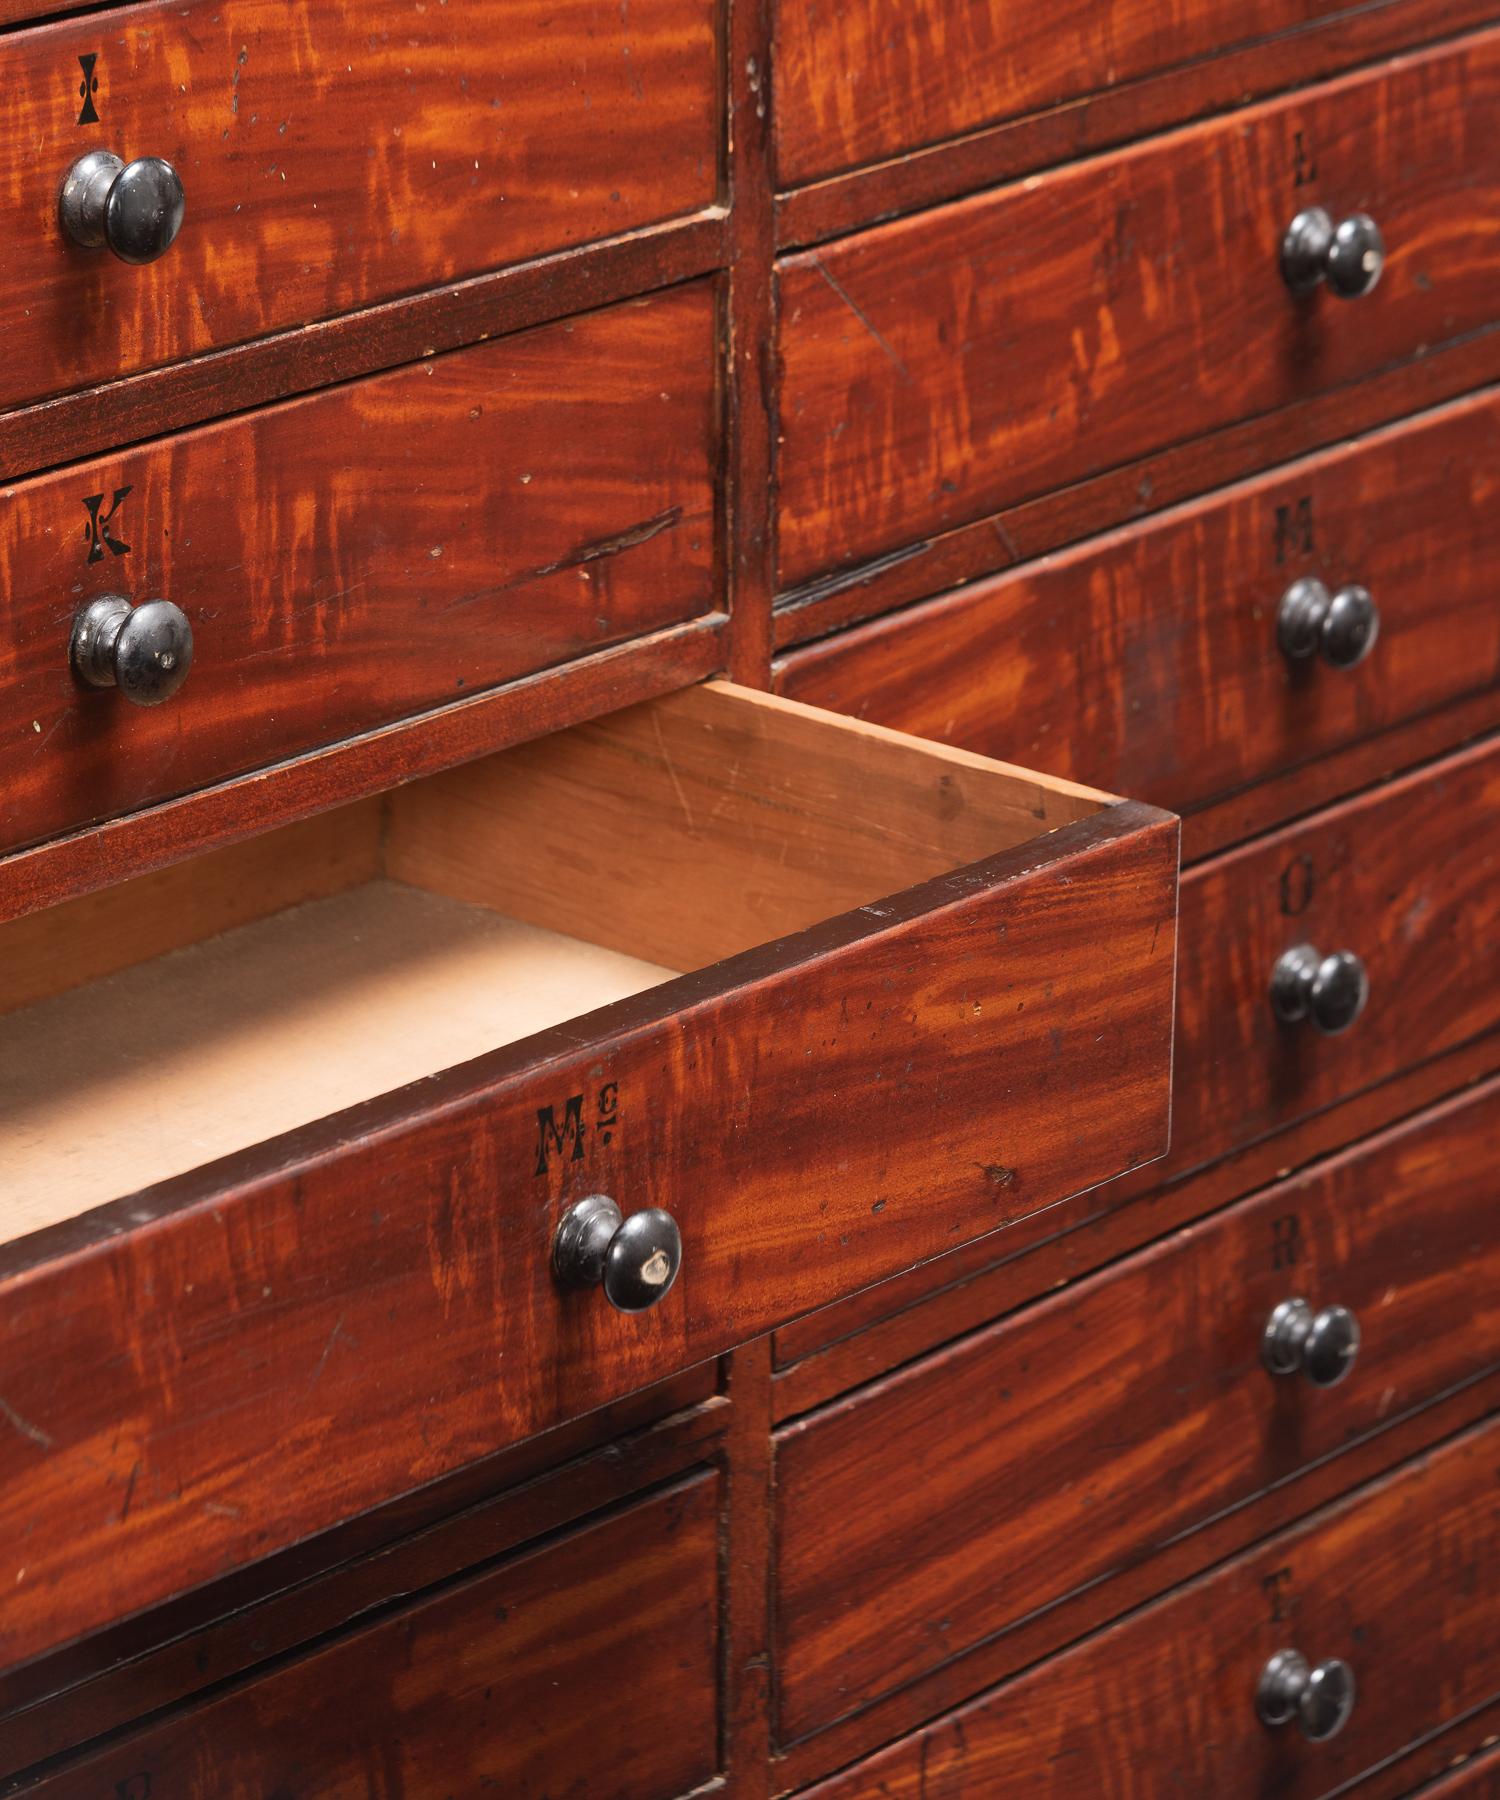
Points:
(634, 1260)
(1329, 990)
(1349, 256)
(1341, 627)
(144, 651)
(1322, 1345)
(1319, 1698)
(132, 209)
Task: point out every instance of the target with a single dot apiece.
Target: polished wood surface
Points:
(136, 1480)
(1395, 1581)
(218, 1634)
(1343, 38)
(339, 566)
(1123, 1414)
(330, 160)
(1148, 662)
(482, 1687)
(943, 367)
(1404, 876)
(962, 1385)
(867, 81)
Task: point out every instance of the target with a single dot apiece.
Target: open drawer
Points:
(354, 1075)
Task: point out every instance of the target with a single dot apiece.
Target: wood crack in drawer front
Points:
(941, 368)
(940, 1507)
(1151, 659)
(362, 554)
(1397, 1582)
(962, 1015)
(330, 159)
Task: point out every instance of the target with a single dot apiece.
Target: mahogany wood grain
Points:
(329, 162)
(1147, 662)
(866, 1335)
(1134, 490)
(1312, 786)
(1406, 877)
(1083, 1435)
(1476, 1778)
(278, 1622)
(171, 1365)
(1394, 1580)
(869, 81)
(750, 562)
(132, 408)
(369, 764)
(1318, 48)
(749, 1550)
(938, 369)
(494, 1683)
(1062, 1624)
(152, 1660)
(341, 565)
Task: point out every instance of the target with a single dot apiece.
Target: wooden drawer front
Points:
(1075, 1438)
(866, 81)
(1408, 878)
(852, 924)
(328, 162)
(363, 553)
(1397, 1582)
(478, 1689)
(940, 368)
(1149, 660)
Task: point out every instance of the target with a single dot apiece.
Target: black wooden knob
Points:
(1341, 627)
(1329, 990)
(634, 1260)
(132, 209)
(1349, 256)
(144, 651)
(1322, 1345)
(1320, 1698)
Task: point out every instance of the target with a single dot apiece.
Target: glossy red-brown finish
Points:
(219, 1633)
(496, 1684)
(341, 566)
(1016, 1012)
(937, 369)
(1407, 877)
(869, 80)
(1396, 1581)
(331, 159)
(1078, 1438)
(1320, 48)
(1148, 662)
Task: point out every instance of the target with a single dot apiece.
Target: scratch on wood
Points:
(896, 362)
(333, 1338)
(135, 1469)
(666, 757)
(34, 1432)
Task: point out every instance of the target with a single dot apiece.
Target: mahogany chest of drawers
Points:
(750, 900)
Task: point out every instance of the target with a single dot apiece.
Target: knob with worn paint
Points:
(1319, 1697)
(144, 651)
(1341, 628)
(1349, 255)
(134, 210)
(1331, 991)
(1322, 1346)
(634, 1260)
